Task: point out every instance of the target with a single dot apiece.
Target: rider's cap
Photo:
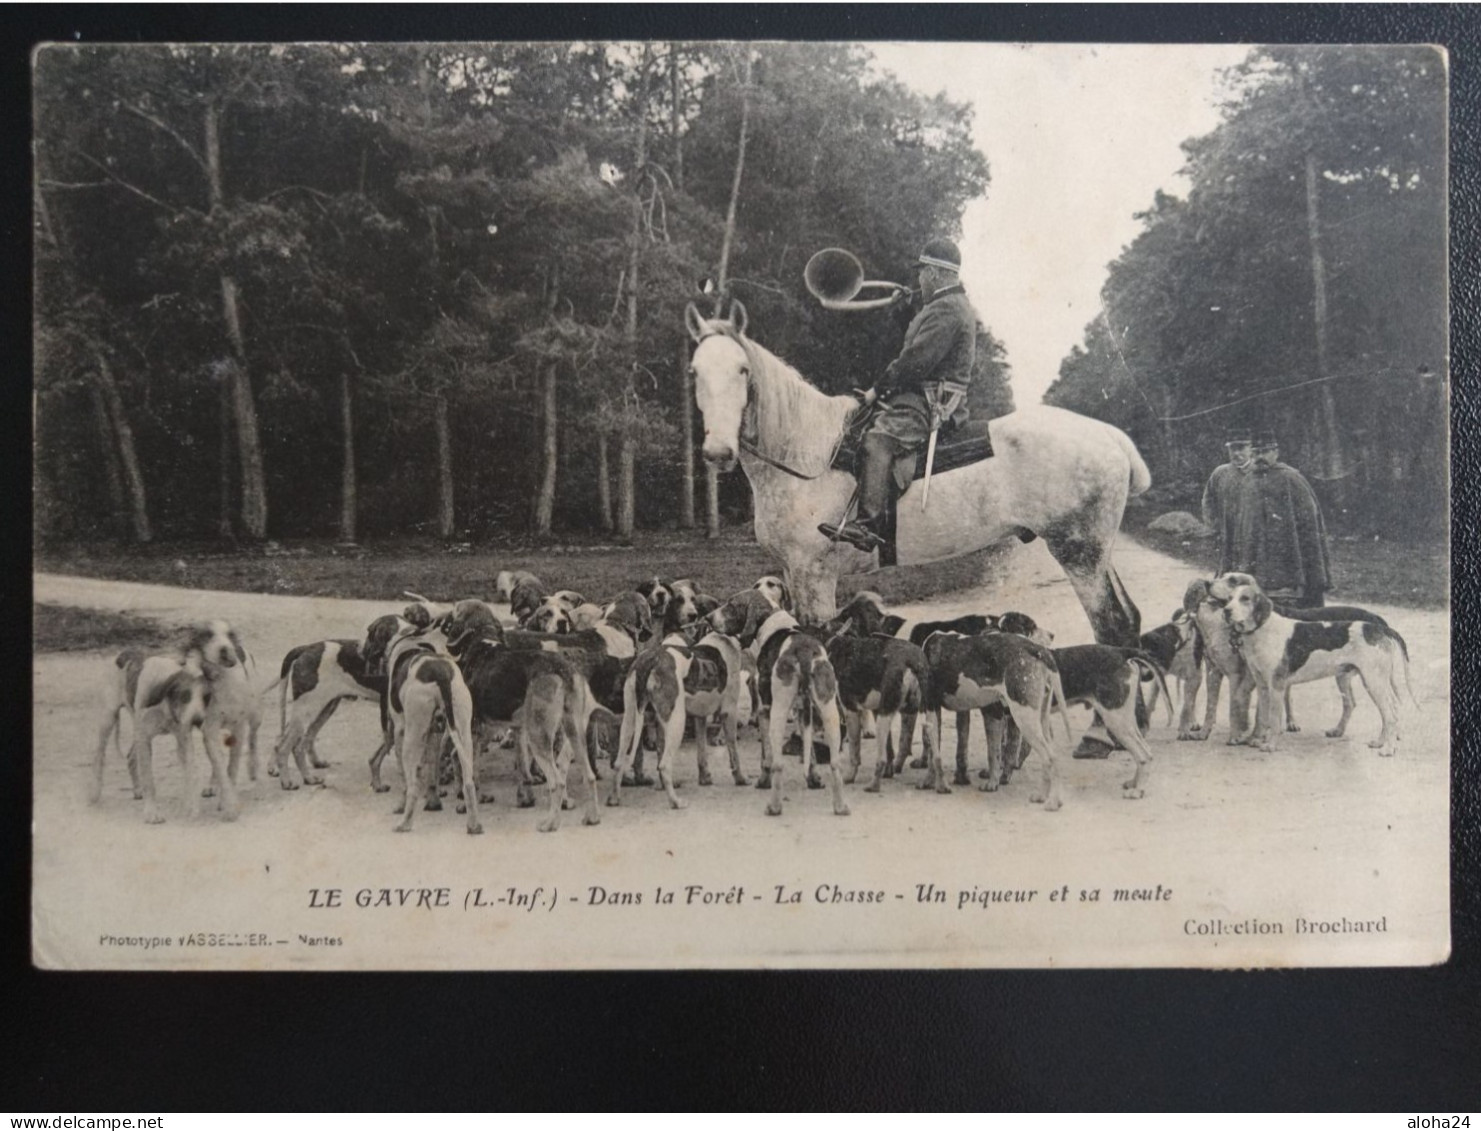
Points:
(940, 252)
(1266, 440)
(1238, 440)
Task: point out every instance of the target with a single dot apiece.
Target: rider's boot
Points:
(866, 531)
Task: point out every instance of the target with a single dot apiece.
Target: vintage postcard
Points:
(695, 504)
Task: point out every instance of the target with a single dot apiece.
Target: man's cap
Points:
(940, 252)
(1238, 440)
(1266, 440)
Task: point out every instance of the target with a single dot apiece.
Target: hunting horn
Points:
(835, 276)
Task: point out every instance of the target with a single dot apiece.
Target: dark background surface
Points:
(1402, 1040)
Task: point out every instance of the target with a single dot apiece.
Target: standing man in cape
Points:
(1272, 527)
(923, 388)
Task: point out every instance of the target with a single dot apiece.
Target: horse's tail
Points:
(1141, 478)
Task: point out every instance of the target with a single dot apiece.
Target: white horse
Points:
(1062, 476)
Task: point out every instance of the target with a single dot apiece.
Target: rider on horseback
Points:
(922, 388)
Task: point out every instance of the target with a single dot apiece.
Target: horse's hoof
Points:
(919, 763)
(272, 771)
(984, 774)
(961, 778)
(1335, 733)
(613, 801)
(676, 803)
(434, 805)
(525, 802)
(291, 785)
(547, 826)
(381, 788)
(403, 827)
(741, 779)
(1133, 794)
(872, 787)
(313, 779)
(943, 789)
(851, 777)
(814, 783)
(774, 809)
(208, 792)
(1052, 806)
(764, 781)
(475, 829)
(317, 762)
(591, 819)
(988, 787)
(636, 779)
(462, 807)
(1036, 798)
(154, 819)
(567, 803)
(841, 811)
(706, 779)
(1292, 728)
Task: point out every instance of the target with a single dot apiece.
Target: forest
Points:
(1299, 291)
(354, 292)
(360, 291)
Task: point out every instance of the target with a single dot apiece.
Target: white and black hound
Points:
(793, 670)
(164, 694)
(968, 673)
(1280, 652)
(423, 684)
(314, 679)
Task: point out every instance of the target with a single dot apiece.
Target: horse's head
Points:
(721, 370)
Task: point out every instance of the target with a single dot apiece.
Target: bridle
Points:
(747, 437)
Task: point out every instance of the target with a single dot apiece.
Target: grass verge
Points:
(61, 628)
(383, 571)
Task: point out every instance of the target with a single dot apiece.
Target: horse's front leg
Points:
(814, 586)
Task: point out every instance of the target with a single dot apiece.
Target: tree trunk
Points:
(686, 380)
(444, 469)
(604, 481)
(545, 500)
(722, 282)
(112, 472)
(712, 502)
(678, 116)
(627, 457)
(243, 407)
(550, 448)
(128, 455)
(1333, 462)
(224, 527)
(244, 414)
(686, 435)
(347, 489)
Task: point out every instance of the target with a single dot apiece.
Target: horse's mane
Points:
(795, 423)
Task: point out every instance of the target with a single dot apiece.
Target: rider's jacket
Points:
(939, 348)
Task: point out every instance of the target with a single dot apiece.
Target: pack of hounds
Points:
(560, 679)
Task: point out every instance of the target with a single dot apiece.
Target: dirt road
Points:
(1221, 864)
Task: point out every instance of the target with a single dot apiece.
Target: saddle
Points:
(957, 446)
